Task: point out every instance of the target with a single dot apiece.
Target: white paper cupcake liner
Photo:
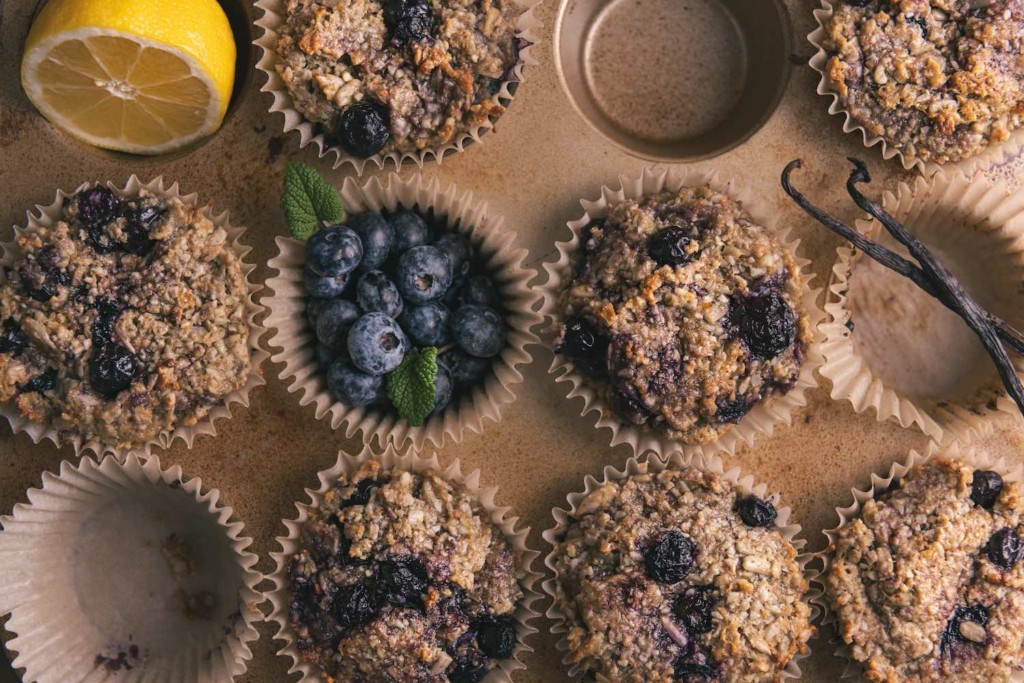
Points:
(1011, 472)
(47, 216)
(273, 19)
(896, 360)
(495, 246)
(994, 154)
(87, 577)
(763, 417)
(653, 465)
(390, 459)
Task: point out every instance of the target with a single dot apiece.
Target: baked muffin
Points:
(939, 80)
(382, 76)
(684, 313)
(925, 582)
(401, 577)
(678, 576)
(124, 320)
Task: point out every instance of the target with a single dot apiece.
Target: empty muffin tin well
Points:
(673, 80)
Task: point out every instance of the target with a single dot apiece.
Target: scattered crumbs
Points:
(179, 556)
(850, 325)
(123, 661)
(807, 419)
(197, 605)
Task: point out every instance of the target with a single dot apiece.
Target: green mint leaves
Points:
(309, 201)
(411, 385)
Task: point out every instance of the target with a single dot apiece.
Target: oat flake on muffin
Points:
(685, 312)
(926, 581)
(401, 577)
(940, 80)
(679, 576)
(124, 320)
(397, 75)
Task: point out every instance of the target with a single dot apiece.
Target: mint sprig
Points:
(309, 201)
(411, 385)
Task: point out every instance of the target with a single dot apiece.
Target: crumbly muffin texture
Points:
(402, 577)
(940, 80)
(123, 320)
(925, 581)
(684, 312)
(661, 578)
(437, 78)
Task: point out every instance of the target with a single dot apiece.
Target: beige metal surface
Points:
(541, 160)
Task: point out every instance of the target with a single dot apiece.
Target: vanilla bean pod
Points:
(969, 309)
(891, 260)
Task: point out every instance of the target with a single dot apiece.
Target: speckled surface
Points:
(537, 165)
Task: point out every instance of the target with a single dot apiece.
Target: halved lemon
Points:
(138, 76)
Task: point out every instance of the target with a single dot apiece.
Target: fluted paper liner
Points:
(47, 216)
(391, 459)
(653, 465)
(273, 19)
(85, 576)
(495, 246)
(994, 154)
(879, 484)
(763, 417)
(896, 360)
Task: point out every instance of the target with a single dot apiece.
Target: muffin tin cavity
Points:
(663, 79)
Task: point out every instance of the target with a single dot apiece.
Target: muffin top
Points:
(679, 576)
(123, 320)
(381, 76)
(685, 311)
(940, 80)
(401, 577)
(926, 582)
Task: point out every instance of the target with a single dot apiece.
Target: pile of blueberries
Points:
(382, 284)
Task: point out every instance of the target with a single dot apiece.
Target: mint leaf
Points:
(308, 201)
(411, 385)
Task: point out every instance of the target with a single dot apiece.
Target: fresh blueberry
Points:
(402, 582)
(377, 293)
(496, 636)
(326, 355)
(442, 389)
(479, 331)
(112, 369)
(377, 344)
(408, 20)
(479, 290)
(465, 369)
(352, 386)
(764, 322)
(313, 308)
(334, 251)
(756, 512)
(334, 321)
(410, 231)
(459, 251)
(423, 274)
(1004, 548)
(670, 557)
(364, 129)
(324, 286)
(97, 206)
(377, 236)
(355, 605)
(985, 488)
(426, 324)
(12, 339)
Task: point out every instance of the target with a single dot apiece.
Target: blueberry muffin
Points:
(684, 313)
(925, 582)
(678, 576)
(939, 80)
(124, 320)
(401, 577)
(382, 76)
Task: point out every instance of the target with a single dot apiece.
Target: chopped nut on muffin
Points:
(684, 312)
(678, 576)
(123, 320)
(926, 581)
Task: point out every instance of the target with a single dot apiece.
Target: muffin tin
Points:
(532, 169)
